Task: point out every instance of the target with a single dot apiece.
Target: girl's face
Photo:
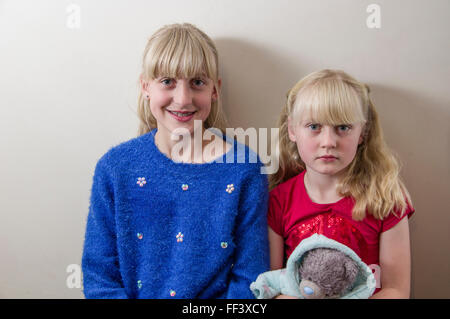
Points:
(325, 149)
(177, 102)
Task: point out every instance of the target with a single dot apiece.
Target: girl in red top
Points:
(338, 178)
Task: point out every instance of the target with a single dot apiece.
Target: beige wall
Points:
(67, 95)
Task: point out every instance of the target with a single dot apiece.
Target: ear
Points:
(144, 87)
(351, 269)
(216, 90)
(291, 130)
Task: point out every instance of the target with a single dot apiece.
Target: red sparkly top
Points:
(294, 216)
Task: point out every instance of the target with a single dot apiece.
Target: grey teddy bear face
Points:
(330, 270)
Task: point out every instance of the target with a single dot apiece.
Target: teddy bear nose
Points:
(308, 290)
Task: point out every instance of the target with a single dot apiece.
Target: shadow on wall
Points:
(255, 80)
(417, 129)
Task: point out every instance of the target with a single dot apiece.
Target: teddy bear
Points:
(319, 267)
(326, 273)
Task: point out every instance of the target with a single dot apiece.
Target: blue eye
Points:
(314, 127)
(198, 82)
(167, 81)
(344, 128)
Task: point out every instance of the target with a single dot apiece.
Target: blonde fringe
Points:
(372, 179)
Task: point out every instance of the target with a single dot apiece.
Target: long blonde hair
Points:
(333, 97)
(180, 50)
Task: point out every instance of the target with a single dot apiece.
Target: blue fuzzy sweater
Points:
(160, 229)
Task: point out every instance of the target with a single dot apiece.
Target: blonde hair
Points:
(182, 51)
(332, 97)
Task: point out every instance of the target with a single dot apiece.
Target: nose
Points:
(328, 137)
(308, 290)
(182, 94)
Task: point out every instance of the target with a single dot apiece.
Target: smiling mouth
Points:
(181, 114)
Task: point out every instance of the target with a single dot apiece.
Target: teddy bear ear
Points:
(351, 269)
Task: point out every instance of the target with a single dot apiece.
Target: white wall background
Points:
(67, 95)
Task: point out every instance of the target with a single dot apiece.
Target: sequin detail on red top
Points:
(334, 227)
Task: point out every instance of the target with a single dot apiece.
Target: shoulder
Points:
(288, 186)
(126, 152)
(396, 216)
(243, 159)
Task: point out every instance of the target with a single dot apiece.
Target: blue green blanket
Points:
(287, 280)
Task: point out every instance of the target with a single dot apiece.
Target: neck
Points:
(322, 188)
(190, 148)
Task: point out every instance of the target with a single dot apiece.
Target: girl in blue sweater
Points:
(173, 215)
